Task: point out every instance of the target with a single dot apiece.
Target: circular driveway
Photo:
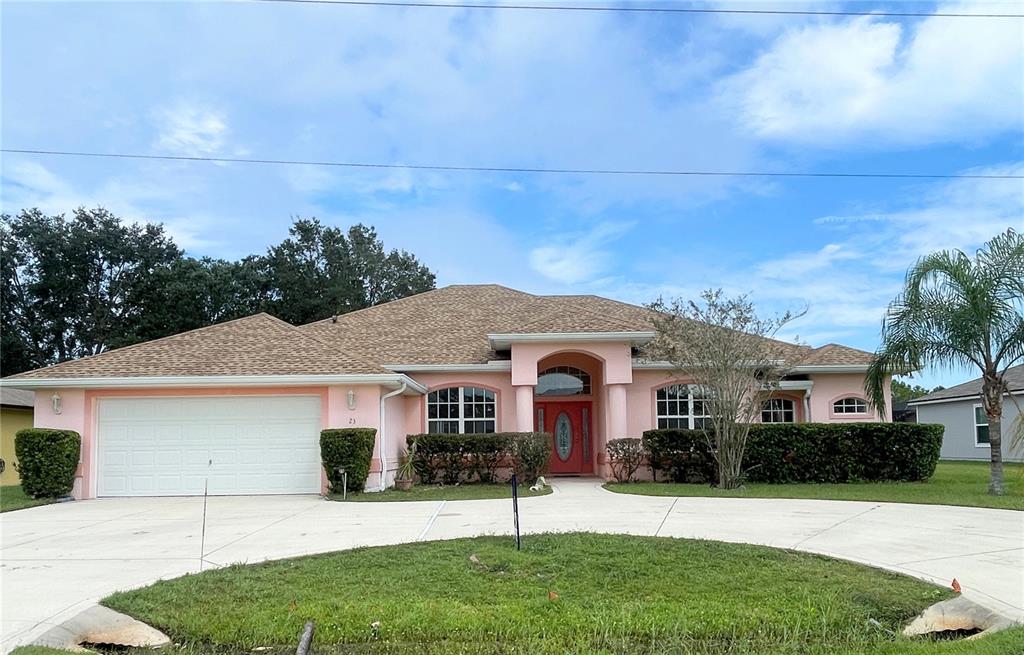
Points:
(58, 560)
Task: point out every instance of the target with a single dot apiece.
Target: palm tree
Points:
(965, 312)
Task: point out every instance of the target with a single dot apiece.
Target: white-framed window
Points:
(778, 410)
(850, 405)
(981, 438)
(461, 410)
(563, 381)
(682, 406)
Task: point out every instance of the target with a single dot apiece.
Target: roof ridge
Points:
(329, 347)
(556, 311)
(333, 317)
(148, 342)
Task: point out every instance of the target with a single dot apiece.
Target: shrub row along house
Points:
(241, 404)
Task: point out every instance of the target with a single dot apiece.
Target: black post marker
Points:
(515, 507)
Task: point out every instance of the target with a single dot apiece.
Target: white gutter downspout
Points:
(383, 433)
(807, 406)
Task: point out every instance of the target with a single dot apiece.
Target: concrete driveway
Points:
(57, 560)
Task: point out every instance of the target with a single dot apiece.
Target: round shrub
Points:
(625, 456)
(531, 453)
(47, 460)
(350, 449)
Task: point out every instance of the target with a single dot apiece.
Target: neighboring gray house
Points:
(959, 409)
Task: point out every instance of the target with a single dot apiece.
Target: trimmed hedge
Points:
(683, 455)
(47, 460)
(350, 449)
(806, 452)
(455, 458)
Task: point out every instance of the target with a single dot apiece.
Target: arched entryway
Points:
(566, 400)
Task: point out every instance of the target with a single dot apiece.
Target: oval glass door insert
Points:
(563, 437)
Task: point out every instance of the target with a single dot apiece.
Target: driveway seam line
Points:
(430, 523)
(986, 552)
(81, 527)
(260, 529)
(834, 525)
(661, 525)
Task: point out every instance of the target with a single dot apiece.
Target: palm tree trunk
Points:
(992, 397)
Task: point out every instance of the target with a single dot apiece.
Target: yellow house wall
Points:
(11, 420)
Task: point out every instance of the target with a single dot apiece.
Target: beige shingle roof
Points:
(834, 354)
(450, 325)
(442, 326)
(255, 345)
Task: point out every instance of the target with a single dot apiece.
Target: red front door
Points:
(569, 423)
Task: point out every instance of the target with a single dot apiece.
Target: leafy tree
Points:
(79, 285)
(731, 355)
(904, 391)
(70, 285)
(319, 271)
(956, 310)
(193, 293)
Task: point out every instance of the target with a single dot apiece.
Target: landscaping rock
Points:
(957, 615)
(101, 625)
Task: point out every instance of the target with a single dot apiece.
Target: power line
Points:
(509, 169)
(653, 10)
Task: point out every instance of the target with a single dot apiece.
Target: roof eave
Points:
(502, 341)
(924, 400)
(391, 380)
(830, 368)
(490, 366)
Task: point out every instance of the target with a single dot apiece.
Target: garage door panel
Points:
(164, 446)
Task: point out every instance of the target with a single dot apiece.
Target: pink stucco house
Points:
(240, 404)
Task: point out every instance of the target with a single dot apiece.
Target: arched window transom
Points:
(778, 410)
(682, 406)
(461, 410)
(563, 381)
(850, 405)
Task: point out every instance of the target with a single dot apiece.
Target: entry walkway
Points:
(57, 560)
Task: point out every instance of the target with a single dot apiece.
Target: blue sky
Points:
(539, 89)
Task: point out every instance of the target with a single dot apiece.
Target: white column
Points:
(524, 408)
(617, 423)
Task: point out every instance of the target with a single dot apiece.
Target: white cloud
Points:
(187, 129)
(28, 184)
(578, 257)
(876, 83)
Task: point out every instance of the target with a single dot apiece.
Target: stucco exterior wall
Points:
(829, 387)
(499, 382)
(12, 419)
(958, 418)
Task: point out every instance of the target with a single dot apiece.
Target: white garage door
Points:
(242, 445)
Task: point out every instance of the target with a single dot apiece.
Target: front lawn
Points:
(12, 498)
(572, 593)
(954, 483)
(442, 492)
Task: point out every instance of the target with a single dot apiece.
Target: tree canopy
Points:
(904, 391)
(78, 285)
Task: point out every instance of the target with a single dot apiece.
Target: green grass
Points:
(12, 498)
(574, 593)
(39, 650)
(440, 492)
(954, 483)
